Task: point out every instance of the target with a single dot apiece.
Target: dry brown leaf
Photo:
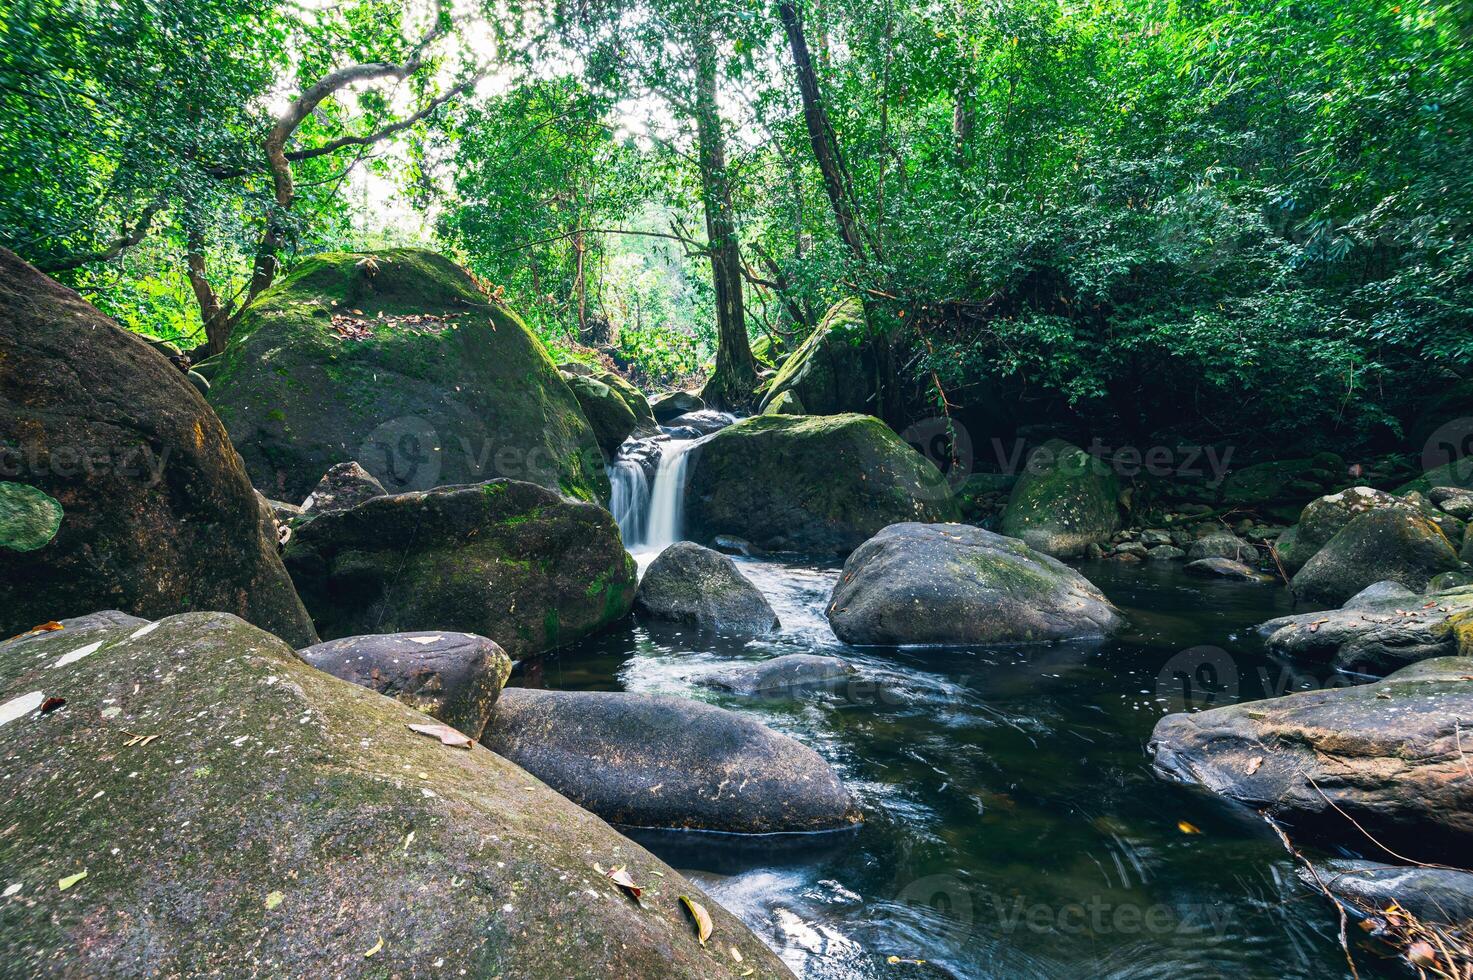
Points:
(1254, 763)
(447, 735)
(50, 627)
(1188, 828)
(700, 916)
(620, 877)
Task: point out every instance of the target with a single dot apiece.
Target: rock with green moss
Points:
(397, 359)
(286, 822)
(507, 560)
(1280, 488)
(832, 371)
(452, 677)
(606, 411)
(1323, 517)
(1394, 544)
(668, 405)
(767, 350)
(345, 485)
(1457, 473)
(647, 760)
(784, 403)
(687, 583)
(133, 497)
(1064, 501)
(1383, 755)
(954, 584)
(814, 484)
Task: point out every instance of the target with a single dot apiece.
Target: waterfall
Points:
(629, 500)
(667, 500)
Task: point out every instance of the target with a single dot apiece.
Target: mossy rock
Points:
(1064, 500)
(634, 400)
(830, 372)
(507, 560)
(786, 403)
(1457, 473)
(1388, 544)
(1280, 488)
(123, 489)
(606, 411)
(280, 821)
(439, 384)
(767, 350)
(819, 484)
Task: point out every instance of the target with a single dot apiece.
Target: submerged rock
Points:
(778, 675)
(122, 488)
(503, 559)
(399, 360)
(1224, 568)
(345, 485)
(455, 677)
(1384, 754)
(1391, 543)
(286, 822)
(1064, 501)
(956, 584)
(651, 761)
(816, 484)
(691, 584)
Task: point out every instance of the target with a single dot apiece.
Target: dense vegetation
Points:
(1215, 220)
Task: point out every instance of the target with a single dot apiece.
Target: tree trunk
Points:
(734, 379)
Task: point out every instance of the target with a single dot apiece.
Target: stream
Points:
(1013, 826)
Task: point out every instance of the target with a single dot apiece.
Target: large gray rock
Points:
(779, 675)
(668, 405)
(612, 419)
(455, 677)
(1380, 629)
(1434, 895)
(283, 822)
(1223, 545)
(1391, 543)
(691, 584)
(1324, 517)
(344, 485)
(1379, 594)
(957, 584)
(1224, 568)
(121, 487)
(1064, 501)
(651, 761)
(1384, 755)
(507, 560)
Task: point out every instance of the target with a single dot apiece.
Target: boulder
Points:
(1392, 543)
(345, 485)
(454, 677)
(634, 400)
(1165, 552)
(507, 560)
(1280, 487)
(651, 761)
(1433, 895)
(1380, 629)
(1453, 500)
(691, 584)
(608, 413)
(122, 488)
(780, 675)
(1323, 518)
(1223, 545)
(285, 822)
(815, 484)
(399, 360)
(703, 422)
(1224, 568)
(668, 405)
(832, 371)
(785, 403)
(1064, 500)
(955, 584)
(1384, 754)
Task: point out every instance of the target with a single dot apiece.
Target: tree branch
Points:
(124, 241)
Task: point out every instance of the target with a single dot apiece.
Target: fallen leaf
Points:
(897, 959)
(736, 954)
(700, 915)
(50, 627)
(1383, 696)
(1188, 828)
(274, 899)
(70, 880)
(1254, 763)
(1422, 954)
(51, 704)
(447, 735)
(1314, 627)
(376, 947)
(620, 877)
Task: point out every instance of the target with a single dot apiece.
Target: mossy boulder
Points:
(815, 484)
(608, 413)
(284, 822)
(786, 403)
(1064, 501)
(830, 372)
(1279, 488)
(1457, 473)
(1384, 755)
(634, 400)
(399, 360)
(672, 403)
(646, 760)
(687, 583)
(953, 584)
(345, 485)
(1323, 518)
(122, 489)
(1394, 544)
(1381, 628)
(507, 560)
(767, 350)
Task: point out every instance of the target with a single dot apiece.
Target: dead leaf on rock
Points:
(368, 954)
(51, 704)
(50, 627)
(620, 877)
(447, 735)
(700, 916)
(1254, 763)
(64, 883)
(1188, 828)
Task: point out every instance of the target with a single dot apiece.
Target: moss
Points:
(828, 372)
(29, 518)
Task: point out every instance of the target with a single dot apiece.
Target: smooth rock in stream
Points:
(1224, 568)
(1223, 545)
(455, 677)
(703, 423)
(287, 823)
(956, 584)
(1378, 630)
(1434, 895)
(1384, 754)
(1390, 543)
(778, 675)
(344, 485)
(672, 403)
(687, 583)
(652, 761)
(1064, 500)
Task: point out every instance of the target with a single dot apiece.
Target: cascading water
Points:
(667, 498)
(630, 498)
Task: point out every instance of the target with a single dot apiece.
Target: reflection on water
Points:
(1013, 827)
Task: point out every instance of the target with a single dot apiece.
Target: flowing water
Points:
(1013, 827)
(629, 499)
